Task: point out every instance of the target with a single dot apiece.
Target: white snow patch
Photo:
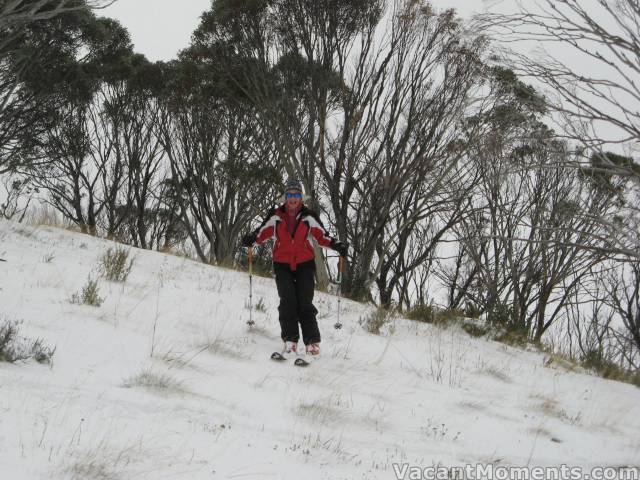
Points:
(210, 404)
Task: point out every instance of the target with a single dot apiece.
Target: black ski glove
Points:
(341, 248)
(249, 239)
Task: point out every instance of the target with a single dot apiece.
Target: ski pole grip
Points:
(250, 259)
(341, 264)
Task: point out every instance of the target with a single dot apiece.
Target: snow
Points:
(417, 395)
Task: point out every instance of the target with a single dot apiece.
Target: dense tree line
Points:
(429, 156)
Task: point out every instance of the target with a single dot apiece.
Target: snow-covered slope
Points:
(218, 408)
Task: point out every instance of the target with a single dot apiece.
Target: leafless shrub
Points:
(89, 295)
(434, 315)
(115, 264)
(376, 320)
(14, 348)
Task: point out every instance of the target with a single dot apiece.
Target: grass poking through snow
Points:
(154, 381)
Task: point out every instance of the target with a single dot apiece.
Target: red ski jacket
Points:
(297, 248)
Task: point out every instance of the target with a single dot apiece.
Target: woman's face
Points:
(293, 199)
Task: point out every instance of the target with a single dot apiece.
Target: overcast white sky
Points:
(158, 28)
(161, 28)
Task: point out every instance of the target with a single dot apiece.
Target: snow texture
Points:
(209, 404)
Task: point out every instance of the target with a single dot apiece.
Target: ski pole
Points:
(338, 325)
(250, 322)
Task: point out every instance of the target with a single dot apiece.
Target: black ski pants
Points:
(296, 289)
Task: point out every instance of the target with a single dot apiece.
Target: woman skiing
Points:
(291, 227)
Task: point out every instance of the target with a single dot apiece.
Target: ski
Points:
(301, 362)
(277, 356)
(298, 362)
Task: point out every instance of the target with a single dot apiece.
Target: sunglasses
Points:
(293, 195)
